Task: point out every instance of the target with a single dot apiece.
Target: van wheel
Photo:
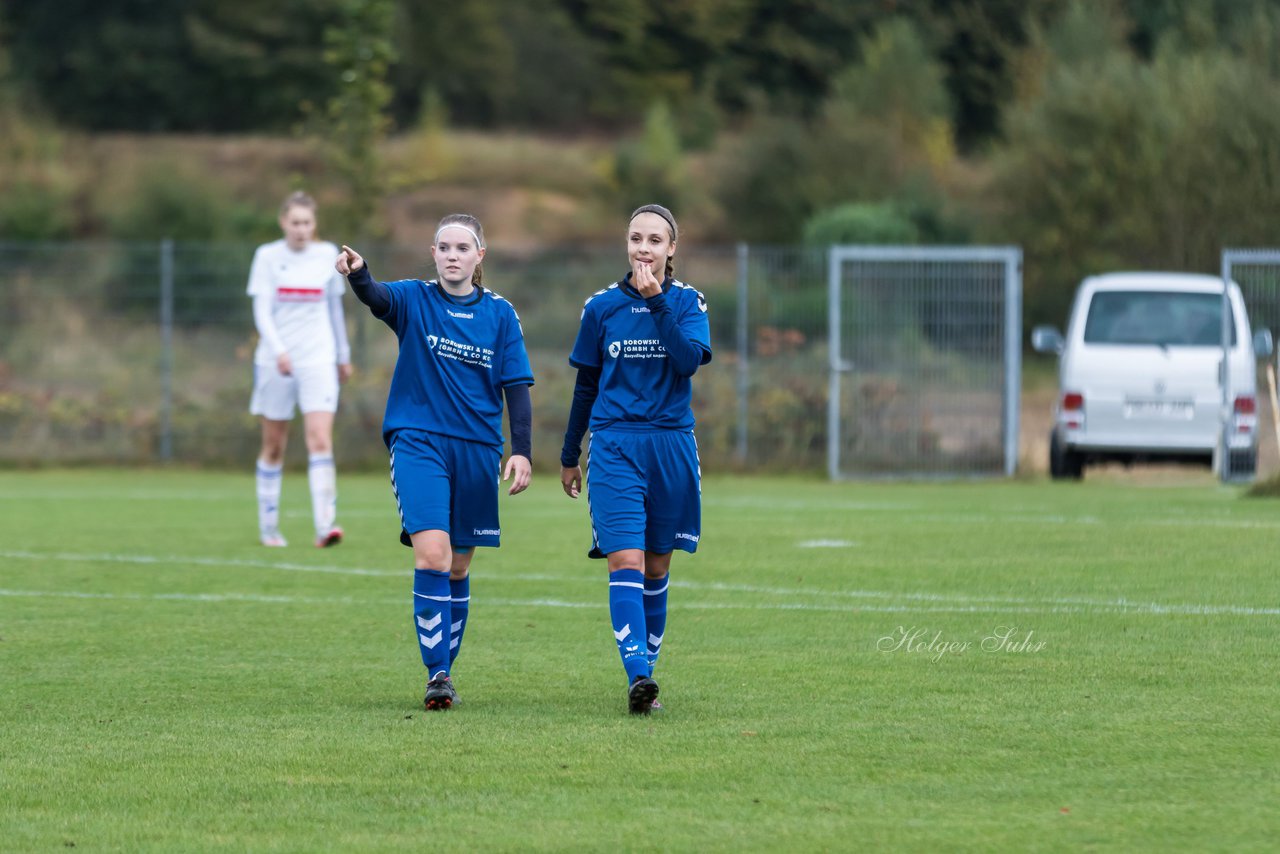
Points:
(1064, 464)
(1243, 464)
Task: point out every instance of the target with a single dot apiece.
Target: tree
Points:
(215, 65)
(883, 128)
(358, 51)
(1123, 164)
(978, 42)
(651, 169)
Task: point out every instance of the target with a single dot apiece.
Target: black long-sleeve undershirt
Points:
(369, 291)
(585, 391)
(520, 413)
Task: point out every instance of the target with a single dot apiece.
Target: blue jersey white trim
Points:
(639, 390)
(456, 356)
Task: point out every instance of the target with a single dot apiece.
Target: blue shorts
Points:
(645, 491)
(446, 484)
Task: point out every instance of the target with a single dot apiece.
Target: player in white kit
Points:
(302, 357)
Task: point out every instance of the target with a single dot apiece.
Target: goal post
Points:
(1257, 273)
(925, 363)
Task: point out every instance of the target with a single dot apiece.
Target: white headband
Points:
(475, 236)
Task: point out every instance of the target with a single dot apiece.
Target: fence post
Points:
(1223, 466)
(744, 338)
(836, 360)
(1012, 359)
(166, 349)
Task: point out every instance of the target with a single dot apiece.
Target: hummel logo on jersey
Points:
(615, 348)
(462, 314)
(693, 537)
(639, 309)
(487, 532)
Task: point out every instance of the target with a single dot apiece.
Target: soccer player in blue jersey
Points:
(461, 353)
(639, 343)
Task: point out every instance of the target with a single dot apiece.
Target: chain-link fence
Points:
(141, 353)
(926, 361)
(1257, 272)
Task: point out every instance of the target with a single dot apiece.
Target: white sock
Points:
(268, 479)
(324, 492)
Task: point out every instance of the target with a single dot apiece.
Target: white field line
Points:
(117, 495)
(1056, 519)
(798, 504)
(1132, 608)
(184, 560)
(879, 600)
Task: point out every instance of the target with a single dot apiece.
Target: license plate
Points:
(1173, 410)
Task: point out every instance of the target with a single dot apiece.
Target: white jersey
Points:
(299, 285)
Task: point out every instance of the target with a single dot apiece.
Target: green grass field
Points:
(830, 676)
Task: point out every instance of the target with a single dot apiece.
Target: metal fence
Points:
(1257, 272)
(925, 360)
(141, 353)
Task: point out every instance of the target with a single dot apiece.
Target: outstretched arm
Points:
(372, 293)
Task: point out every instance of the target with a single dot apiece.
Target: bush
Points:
(884, 126)
(179, 202)
(860, 222)
(36, 210)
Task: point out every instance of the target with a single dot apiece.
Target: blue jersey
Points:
(456, 356)
(638, 388)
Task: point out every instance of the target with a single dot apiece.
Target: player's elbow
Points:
(684, 371)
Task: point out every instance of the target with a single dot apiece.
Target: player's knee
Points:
(461, 563)
(626, 559)
(432, 555)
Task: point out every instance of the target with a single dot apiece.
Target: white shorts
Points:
(311, 388)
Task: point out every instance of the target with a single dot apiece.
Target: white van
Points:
(1140, 374)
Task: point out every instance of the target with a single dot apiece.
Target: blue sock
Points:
(459, 603)
(626, 609)
(432, 618)
(655, 615)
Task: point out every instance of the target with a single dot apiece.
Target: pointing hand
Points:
(349, 261)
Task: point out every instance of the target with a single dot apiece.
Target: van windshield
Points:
(1168, 319)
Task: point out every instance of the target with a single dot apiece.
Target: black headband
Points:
(662, 212)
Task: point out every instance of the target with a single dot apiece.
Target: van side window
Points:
(1161, 318)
